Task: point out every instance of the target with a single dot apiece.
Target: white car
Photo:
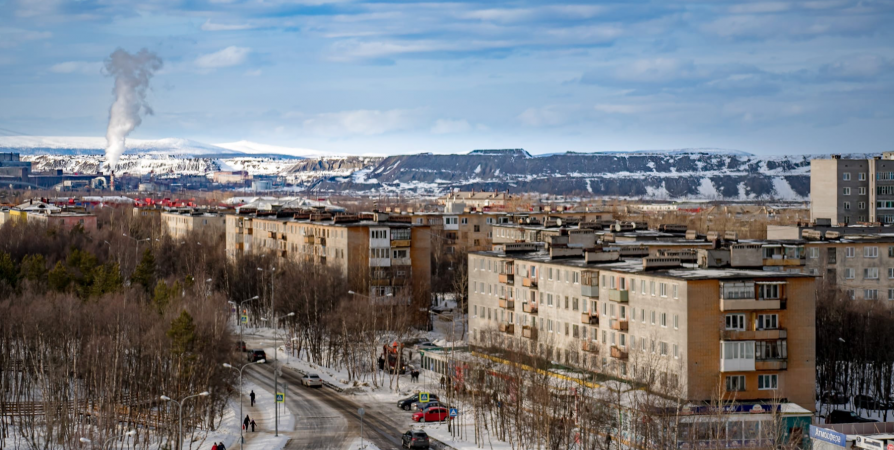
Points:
(312, 380)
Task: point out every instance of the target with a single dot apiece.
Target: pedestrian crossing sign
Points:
(244, 318)
(280, 397)
(423, 397)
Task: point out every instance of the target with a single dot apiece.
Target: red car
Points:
(433, 414)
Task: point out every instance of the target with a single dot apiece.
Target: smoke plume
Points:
(132, 73)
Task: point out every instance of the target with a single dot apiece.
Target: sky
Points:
(389, 77)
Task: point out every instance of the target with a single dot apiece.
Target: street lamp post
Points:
(276, 372)
(241, 432)
(239, 305)
(180, 411)
(138, 242)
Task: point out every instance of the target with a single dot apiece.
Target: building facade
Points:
(180, 223)
(850, 191)
(748, 333)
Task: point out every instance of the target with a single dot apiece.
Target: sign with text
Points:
(827, 435)
(871, 444)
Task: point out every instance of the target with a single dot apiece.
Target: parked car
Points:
(240, 346)
(418, 406)
(312, 380)
(841, 416)
(415, 439)
(256, 355)
(834, 398)
(864, 401)
(433, 414)
(407, 403)
(424, 345)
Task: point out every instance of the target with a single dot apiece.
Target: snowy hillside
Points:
(67, 145)
(254, 148)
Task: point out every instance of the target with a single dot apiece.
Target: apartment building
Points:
(379, 254)
(179, 223)
(49, 215)
(849, 191)
(481, 200)
(654, 320)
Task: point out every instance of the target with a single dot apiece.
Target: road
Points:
(326, 419)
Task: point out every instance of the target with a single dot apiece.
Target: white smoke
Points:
(132, 73)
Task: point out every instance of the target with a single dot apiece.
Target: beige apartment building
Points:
(180, 223)
(688, 329)
(850, 191)
(379, 254)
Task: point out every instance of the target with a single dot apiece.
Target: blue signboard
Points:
(453, 412)
(827, 435)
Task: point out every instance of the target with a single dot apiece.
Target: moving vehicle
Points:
(312, 380)
(433, 414)
(256, 355)
(407, 403)
(864, 401)
(415, 439)
(240, 346)
(841, 416)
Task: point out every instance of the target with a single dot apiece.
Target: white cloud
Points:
(228, 57)
(361, 122)
(11, 37)
(77, 67)
(619, 109)
(759, 7)
(855, 67)
(209, 26)
(449, 126)
(547, 116)
(253, 73)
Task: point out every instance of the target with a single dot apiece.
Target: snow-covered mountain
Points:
(78, 145)
(254, 148)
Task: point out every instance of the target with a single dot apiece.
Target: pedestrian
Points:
(221, 446)
(252, 397)
(252, 425)
(214, 447)
(245, 422)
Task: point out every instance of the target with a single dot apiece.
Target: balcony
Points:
(771, 364)
(507, 278)
(784, 262)
(400, 243)
(240, 246)
(753, 335)
(530, 308)
(380, 282)
(283, 253)
(618, 353)
(589, 319)
(308, 239)
(617, 295)
(507, 304)
(589, 346)
(752, 304)
(529, 283)
(589, 291)
(619, 325)
(284, 236)
(529, 332)
(321, 241)
(507, 328)
(271, 234)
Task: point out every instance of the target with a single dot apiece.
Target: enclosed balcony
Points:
(506, 303)
(753, 335)
(530, 308)
(507, 278)
(529, 283)
(619, 325)
(589, 284)
(752, 295)
(529, 332)
(589, 319)
(589, 346)
(619, 353)
(507, 328)
(308, 239)
(618, 295)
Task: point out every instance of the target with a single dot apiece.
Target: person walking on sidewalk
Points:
(252, 425)
(214, 447)
(221, 446)
(252, 397)
(245, 423)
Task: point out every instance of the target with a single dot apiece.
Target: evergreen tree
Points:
(145, 271)
(34, 268)
(8, 272)
(182, 334)
(58, 279)
(161, 296)
(106, 278)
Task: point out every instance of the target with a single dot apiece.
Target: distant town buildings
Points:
(180, 222)
(39, 211)
(850, 191)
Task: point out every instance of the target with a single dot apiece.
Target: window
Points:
(870, 252)
(549, 299)
(735, 383)
(846, 176)
(870, 273)
(849, 252)
(850, 294)
(574, 304)
(653, 317)
(675, 291)
(662, 289)
(676, 351)
(890, 294)
(846, 191)
(738, 350)
(769, 291)
(767, 381)
(399, 254)
(847, 205)
(861, 205)
(642, 286)
(652, 288)
(664, 320)
(767, 321)
(735, 322)
(870, 294)
(676, 321)
(465, 220)
(642, 315)
(813, 252)
(642, 343)
(550, 272)
(662, 348)
(849, 273)
(861, 176)
(575, 277)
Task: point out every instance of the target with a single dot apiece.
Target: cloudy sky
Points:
(400, 76)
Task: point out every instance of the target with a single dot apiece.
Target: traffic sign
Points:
(423, 397)
(361, 412)
(244, 318)
(453, 412)
(280, 397)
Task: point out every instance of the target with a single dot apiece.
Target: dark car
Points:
(834, 398)
(240, 346)
(407, 403)
(256, 355)
(414, 439)
(841, 416)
